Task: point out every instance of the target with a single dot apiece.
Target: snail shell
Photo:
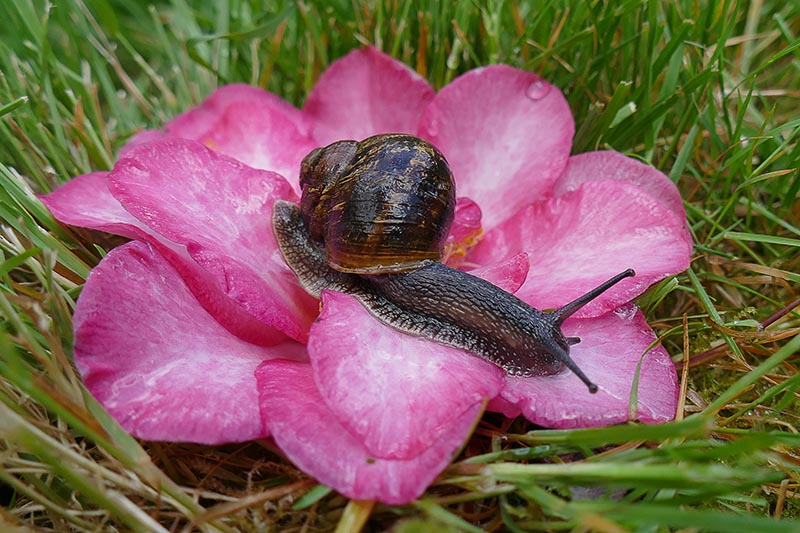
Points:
(382, 205)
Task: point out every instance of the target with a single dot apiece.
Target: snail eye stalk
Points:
(560, 315)
(563, 355)
(563, 313)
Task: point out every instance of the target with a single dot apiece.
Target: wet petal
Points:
(310, 435)
(395, 393)
(578, 240)
(365, 93)
(593, 166)
(610, 350)
(246, 123)
(275, 299)
(507, 135)
(221, 210)
(161, 365)
(85, 201)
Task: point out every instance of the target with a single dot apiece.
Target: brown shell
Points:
(382, 205)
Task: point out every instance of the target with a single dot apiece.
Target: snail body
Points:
(372, 222)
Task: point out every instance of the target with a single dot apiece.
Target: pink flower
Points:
(195, 330)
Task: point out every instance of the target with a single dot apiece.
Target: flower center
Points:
(465, 233)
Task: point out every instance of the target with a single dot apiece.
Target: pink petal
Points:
(85, 201)
(593, 166)
(262, 137)
(508, 275)
(275, 299)
(141, 137)
(201, 277)
(610, 350)
(221, 210)
(498, 404)
(507, 135)
(196, 122)
(246, 123)
(163, 367)
(365, 93)
(310, 435)
(395, 393)
(580, 239)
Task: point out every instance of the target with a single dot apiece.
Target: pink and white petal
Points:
(313, 439)
(610, 351)
(262, 137)
(221, 210)
(507, 135)
(161, 365)
(509, 275)
(602, 165)
(196, 123)
(394, 392)
(244, 122)
(365, 93)
(85, 201)
(583, 238)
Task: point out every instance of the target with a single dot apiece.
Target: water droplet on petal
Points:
(537, 90)
(433, 127)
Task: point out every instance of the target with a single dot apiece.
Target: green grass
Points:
(706, 91)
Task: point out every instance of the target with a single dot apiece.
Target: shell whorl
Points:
(384, 204)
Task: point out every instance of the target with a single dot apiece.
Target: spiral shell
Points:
(381, 205)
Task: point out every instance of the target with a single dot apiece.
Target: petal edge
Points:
(307, 431)
(507, 135)
(610, 350)
(365, 93)
(163, 367)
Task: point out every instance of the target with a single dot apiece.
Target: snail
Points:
(372, 222)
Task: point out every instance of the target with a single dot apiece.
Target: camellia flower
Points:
(198, 331)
